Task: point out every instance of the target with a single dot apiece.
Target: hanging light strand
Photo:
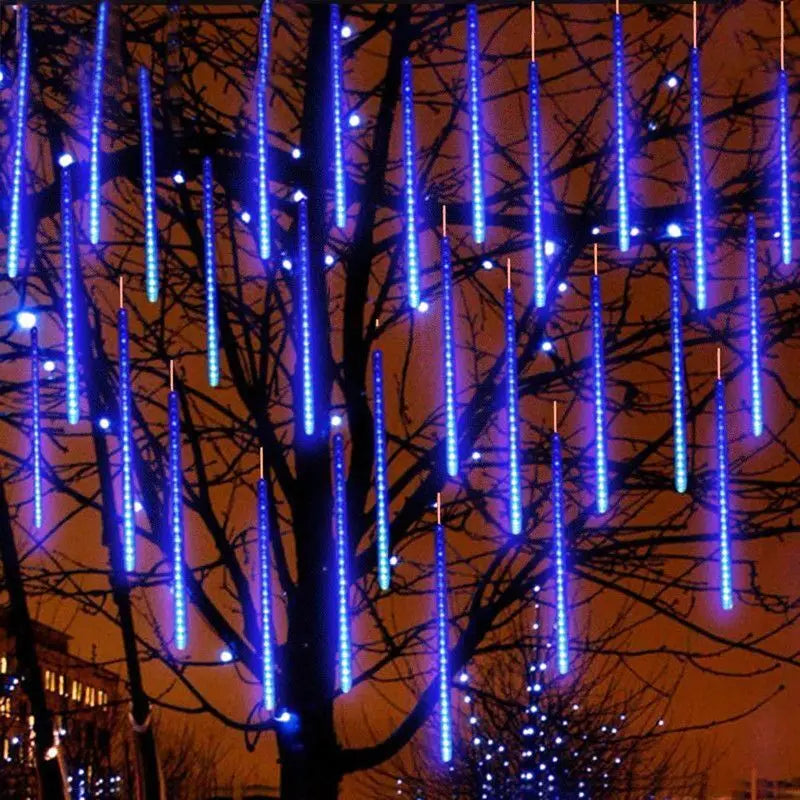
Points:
(126, 438)
(20, 130)
(96, 122)
(306, 366)
(148, 186)
(175, 516)
(514, 492)
(723, 508)
(337, 88)
(559, 552)
(783, 129)
(539, 263)
(68, 260)
(409, 165)
(680, 461)
(697, 169)
(599, 384)
(342, 571)
(475, 124)
(36, 412)
(268, 662)
(451, 424)
(619, 113)
(381, 488)
(210, 262)
(442, 616)
(262, 144)
(756, 403)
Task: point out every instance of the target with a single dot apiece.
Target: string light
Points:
(342, 572)
(783, 131)
(305, 317)
(598, 381)
(96, 121)
(68, 262)
(723, 508)
(268, 665)
(445, 719)
(619, 113)
(126, 438)
(381, 489)
(562, 630)
(340, 190)
(697, 172)
(175, 515)
(451, 424)
(539, 264)
(149, 187)
(756, 405)
(409, 162)
(20, 129)
(37, 430)
(262, 79)
(210, 260)
(678, 376)
(474, 83)
(514, 493)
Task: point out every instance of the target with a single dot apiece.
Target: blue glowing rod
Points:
(97, 121)
(70, 289)
(340, 196)
(148, 186)
(697, 173)
(756, 404)
(451, 425)
(409, 165)
(268, 661)
(262, 79)
(342, 571)
(210, 262)
(475, 126)
(619, 113)
(175, 515)
(678, 376)
(559, 552)
(37, 430)
(783, 126)
(307, 375)
(723, 506)
(18, 147)
(599, 385)
(514, 491)
(443, 656)
(126, 435)
(381, 488)
(539, 264)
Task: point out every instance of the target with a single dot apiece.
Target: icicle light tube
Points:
(598, 381)
(619, 113)
(756, 403)
(148, 186)
(306, 365)
(267, 656)
(18, 147)
(786, 205)
(697, 180)
(723, 508)
(337, 80)
(126, 442)
(559, 557)
(678, 376)
(539, 264)
(475, 126)
(381, 488)
(68, 259)
(36, 412)
(409, 165)
(175, 510)
(96, 122)
(262, 144)
(342, 571)
(443, 658)
(451, 425)
(514, 490)
(210, 263)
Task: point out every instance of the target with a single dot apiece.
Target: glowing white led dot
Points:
(225, 656)
(674, 231)
(178, 177)
(354, 120)
(49, 365)
(423, 306)
(296, 153)
(347, 31)
(26, 320)
(65, 159)
(245, 217)
(104, 423)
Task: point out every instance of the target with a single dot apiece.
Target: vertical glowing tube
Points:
(475, 126)
(175, 516)
(726, 590)
(786, 205)
(307, 375)
(342, 571)
(381, 488)
(598, 381)
(409, 156)
(210, 261)
(756, 405)
(697, 180)
(562, 624)
(443, 656)
(126, 436)
(678, 376)
(148, 187)
(262, 80)
(268, 666)
(340, 196)
(96, 122)
(37, 430)
(514, 492)
(70, 288)
(539, 265)
(619, 113)
(451, 425)
(18, 147)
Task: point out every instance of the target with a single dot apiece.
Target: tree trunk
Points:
(52, 780)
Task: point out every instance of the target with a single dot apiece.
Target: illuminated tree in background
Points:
(293, 338)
